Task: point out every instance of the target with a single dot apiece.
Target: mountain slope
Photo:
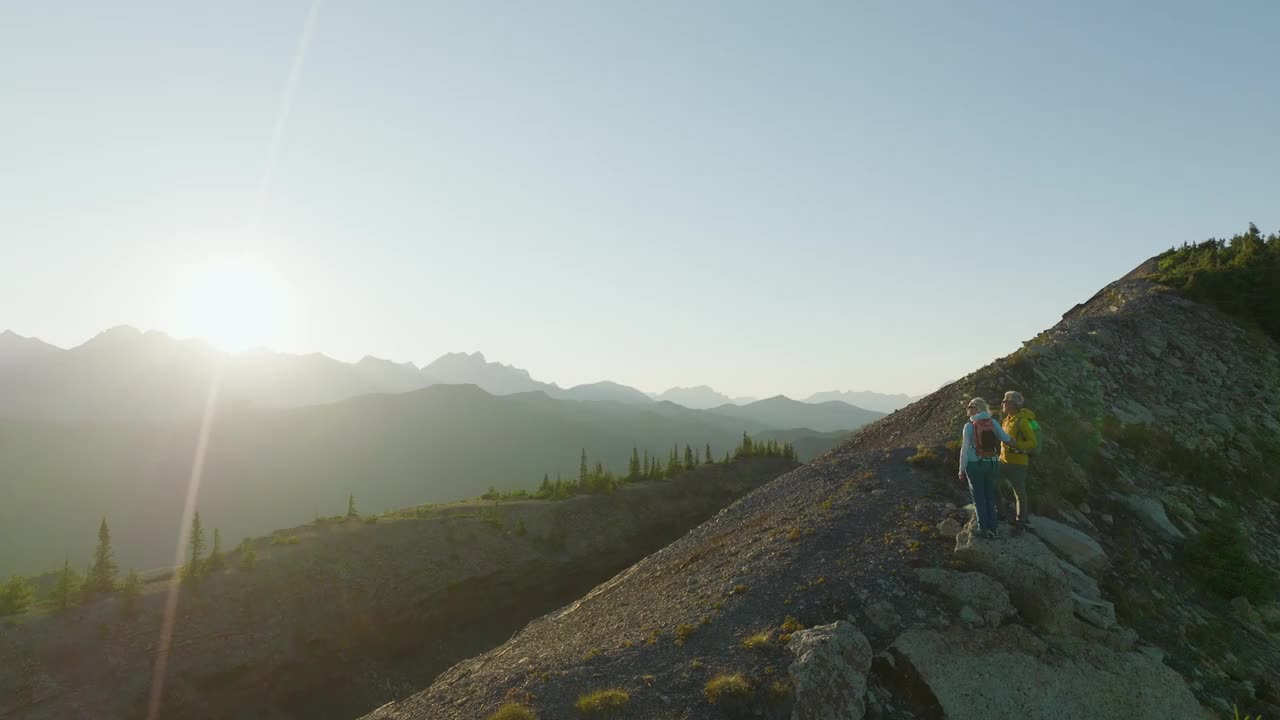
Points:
(880, 402)
(782, 412)
(701, 397)
(16, 350)
(1083, 609)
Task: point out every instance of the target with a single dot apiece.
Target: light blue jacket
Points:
(968, 453)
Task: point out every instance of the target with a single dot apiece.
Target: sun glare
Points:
(236, 303)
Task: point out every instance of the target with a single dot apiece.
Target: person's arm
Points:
(1004, 436)
(966, 440)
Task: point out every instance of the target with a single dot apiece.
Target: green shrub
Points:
(1238, 276)
(924, 456)
(684, 632)
(603, 701)
(725, 689)
(1219, 558)
(514, 711)
(284, 540)
(757, 641)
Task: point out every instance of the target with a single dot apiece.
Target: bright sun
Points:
(236, 303)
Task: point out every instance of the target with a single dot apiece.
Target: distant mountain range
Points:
(124, 373)
(273, 467)
(108, 428)
(699, 398)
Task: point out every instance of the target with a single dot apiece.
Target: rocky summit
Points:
(856, 587)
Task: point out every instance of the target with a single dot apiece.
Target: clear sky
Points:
(762, 196)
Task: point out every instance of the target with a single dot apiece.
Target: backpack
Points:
(985, 440)
(1035, 432)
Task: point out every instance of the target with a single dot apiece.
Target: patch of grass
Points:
(284, 540)
(514, 711)
(738, 589)
(779, 690)
(653, 637)
(649, 679)
(790, 625)
(793, 534)
(725, 688)
(925, 455)
(592, 653)
(684, 632)
(706, 619)
(696, 664)
(757, 641)
(603, 702)
(627, 644)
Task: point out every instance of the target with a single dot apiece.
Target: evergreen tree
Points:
(647, 469)
(726, 457)
(689, 462)
(15, 596)
(633, 467)
(248, 557)
(130, 591)
(216, 562)
(710, 458)
(351, 507)
(67, 588)
(102, 574)
(196, 546)
(583, 473)
(546, 489)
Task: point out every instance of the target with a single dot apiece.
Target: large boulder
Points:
(1098, 613)
(980, 592)
(1150, 512)
(1033, 575)
(1010, 673)
(1083, 551)
(1080, 581)
(829, 675)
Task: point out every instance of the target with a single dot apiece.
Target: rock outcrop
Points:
(829, 675)
(1009, 672)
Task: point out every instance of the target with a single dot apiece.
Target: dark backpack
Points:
(985, 440)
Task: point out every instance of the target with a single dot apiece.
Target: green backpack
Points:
(1035, 431)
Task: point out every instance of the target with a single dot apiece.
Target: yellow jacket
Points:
(1018, 426)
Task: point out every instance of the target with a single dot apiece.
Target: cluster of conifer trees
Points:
(100, 578)
(595, 478)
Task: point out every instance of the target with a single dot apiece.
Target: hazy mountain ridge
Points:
(781, 411)
(880, 402)
(270, 467)
(702, 397)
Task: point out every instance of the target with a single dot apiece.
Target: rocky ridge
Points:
(1158, 413)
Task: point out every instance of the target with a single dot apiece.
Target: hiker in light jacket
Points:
(1014, 459)
(979, 462)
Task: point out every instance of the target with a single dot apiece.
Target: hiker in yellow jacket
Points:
(1014, 459)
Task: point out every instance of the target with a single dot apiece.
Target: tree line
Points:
(595, 478)
(100, 578)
